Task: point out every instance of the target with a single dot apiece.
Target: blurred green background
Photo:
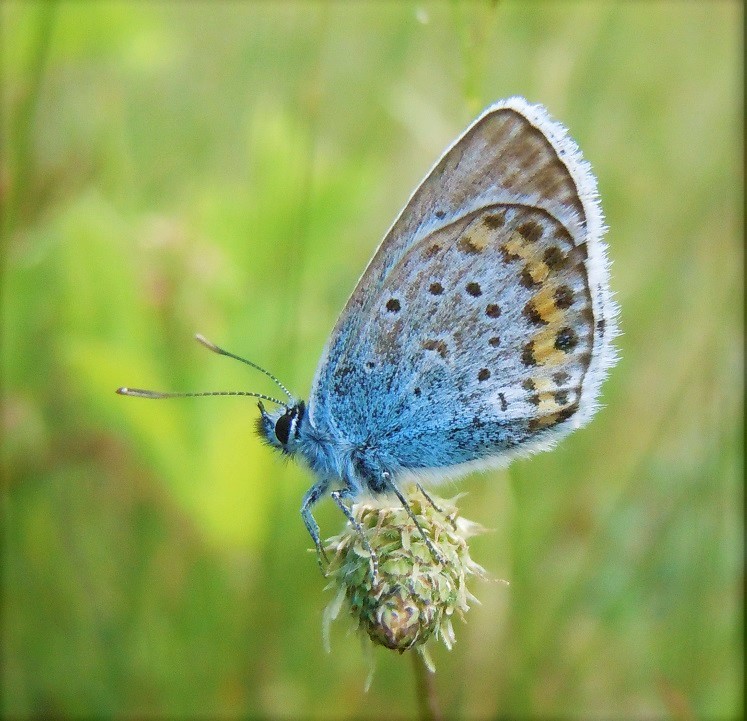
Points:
(228, 168)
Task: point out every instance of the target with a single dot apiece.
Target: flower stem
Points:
(425, 689)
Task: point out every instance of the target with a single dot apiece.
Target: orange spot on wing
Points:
(544, 304)
(545, 352)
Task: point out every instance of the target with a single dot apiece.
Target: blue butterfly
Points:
(480, 330)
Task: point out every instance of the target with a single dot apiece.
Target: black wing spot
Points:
(436, 345)
(566, 339)
(496, 220)
(561, 397)
(527, 354)
(563, 297)
(553, 257)
(467, 246)
(526, 278)
(474, 289)
(393, 305)
(530, 311)
(530, 230)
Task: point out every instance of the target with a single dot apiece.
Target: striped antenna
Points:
(220, 351)
(140, 393)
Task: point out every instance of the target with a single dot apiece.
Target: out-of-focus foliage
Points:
(228, 168)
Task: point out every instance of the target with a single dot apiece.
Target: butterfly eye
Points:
(283, 428)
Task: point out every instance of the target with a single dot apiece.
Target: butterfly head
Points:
(280, 428)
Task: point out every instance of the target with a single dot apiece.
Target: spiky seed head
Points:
(413, 597)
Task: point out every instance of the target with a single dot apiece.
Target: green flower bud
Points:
(412, 597)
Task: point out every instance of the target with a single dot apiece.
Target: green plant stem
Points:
(425, 690)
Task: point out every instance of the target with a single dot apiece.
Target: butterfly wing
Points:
(483, 322)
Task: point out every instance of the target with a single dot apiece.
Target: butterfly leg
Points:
(429, 499)
(390, 486)
(437, 508)
(312, 496)
(337, 497)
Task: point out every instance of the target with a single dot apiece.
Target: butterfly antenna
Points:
(220, 351)
(140, 393)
